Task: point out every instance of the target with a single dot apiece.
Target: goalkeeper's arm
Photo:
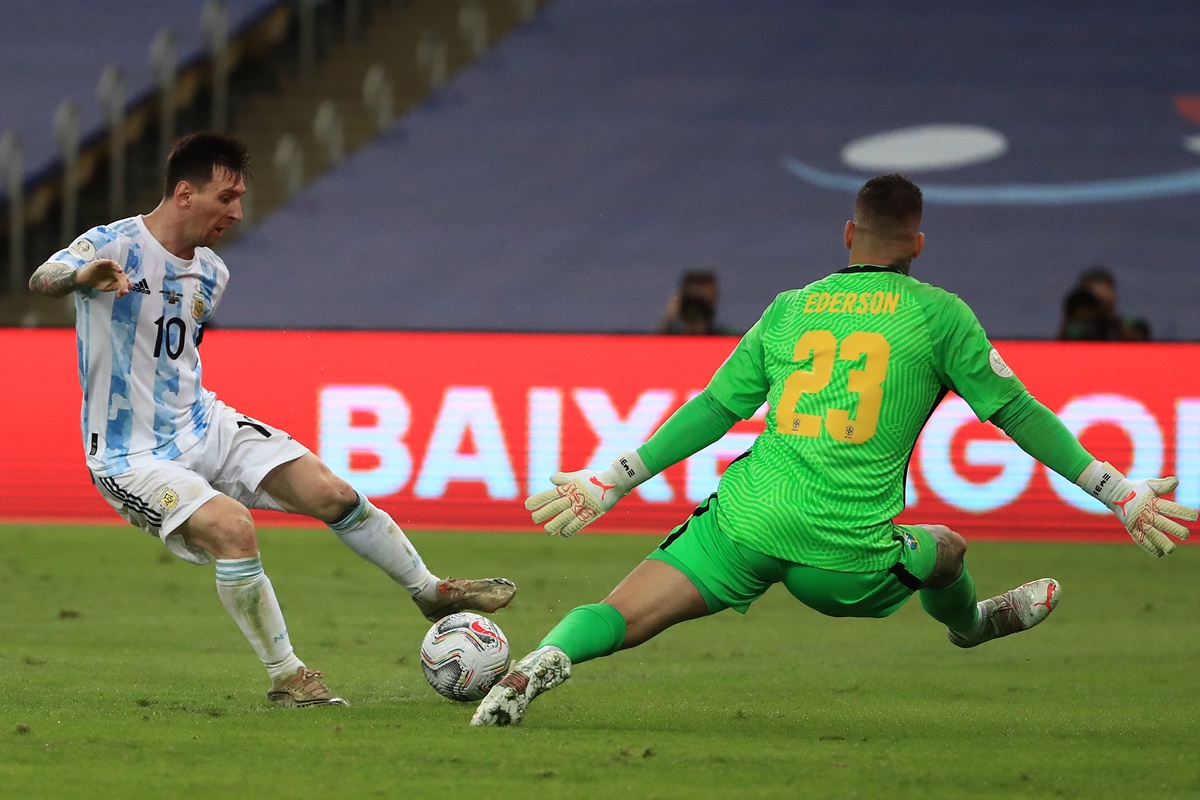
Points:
(580, 497)
(1137, 503)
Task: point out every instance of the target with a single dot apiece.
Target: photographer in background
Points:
(1083, 318)
(692, 309)
(1090, 311)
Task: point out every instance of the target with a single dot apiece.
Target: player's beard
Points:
(212, 236)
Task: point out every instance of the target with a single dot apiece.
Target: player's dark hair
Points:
(888, 204)
(197, 156)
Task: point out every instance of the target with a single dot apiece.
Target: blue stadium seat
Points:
(564, 181)
(51, 52)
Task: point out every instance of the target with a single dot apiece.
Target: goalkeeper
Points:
(851, 367)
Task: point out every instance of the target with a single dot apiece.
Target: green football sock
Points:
(953, 605)
(588, 632)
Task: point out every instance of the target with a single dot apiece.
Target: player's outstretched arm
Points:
(1139, 505)
(54, 279)
(578, 498)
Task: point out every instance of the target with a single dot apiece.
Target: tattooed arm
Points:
(53, 279)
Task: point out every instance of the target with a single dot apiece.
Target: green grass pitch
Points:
(122, 676)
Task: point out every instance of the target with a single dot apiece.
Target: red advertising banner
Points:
(454, 430)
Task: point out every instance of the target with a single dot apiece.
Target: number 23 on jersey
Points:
(824, 349)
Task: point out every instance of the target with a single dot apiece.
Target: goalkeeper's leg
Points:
(948, 595)
(651, 599)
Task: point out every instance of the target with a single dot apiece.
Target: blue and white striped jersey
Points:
(139, 366)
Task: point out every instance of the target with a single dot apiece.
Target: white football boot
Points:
(463, 594)
(303, 689)
(506, 703)
(1014, 611)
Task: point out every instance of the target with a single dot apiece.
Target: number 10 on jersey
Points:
(824, 349)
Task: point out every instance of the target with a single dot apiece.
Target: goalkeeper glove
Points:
(1139, 505)
(580, 497)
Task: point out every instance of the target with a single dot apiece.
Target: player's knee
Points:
(952, 543)
(337, 498)
(232, 535)
(345, 495)
(951, 549)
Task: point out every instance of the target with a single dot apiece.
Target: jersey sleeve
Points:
(99, 242)
(694, 426)
(740, 384)
(1042, 435)
(966, 361)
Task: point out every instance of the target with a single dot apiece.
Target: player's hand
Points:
(106, 275)
(1140, 506)
(578, 498)
(1147, 516)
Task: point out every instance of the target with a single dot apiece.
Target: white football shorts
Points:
(232, 458)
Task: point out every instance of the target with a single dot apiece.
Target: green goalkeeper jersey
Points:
(851, 367)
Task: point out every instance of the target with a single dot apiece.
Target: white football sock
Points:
(248, 596)
(376, 537)
(976, 627)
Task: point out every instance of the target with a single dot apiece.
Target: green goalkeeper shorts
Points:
(731, 575)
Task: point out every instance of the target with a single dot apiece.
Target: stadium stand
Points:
(301, 81)
(566, 177)
(47, 60)
(564, 180)
(88, 109)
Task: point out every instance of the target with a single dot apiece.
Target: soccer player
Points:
(174, 460)
(851, 367)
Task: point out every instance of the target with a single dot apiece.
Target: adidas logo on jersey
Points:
(142, 286)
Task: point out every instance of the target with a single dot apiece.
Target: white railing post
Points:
(214, 18)
(67, 132)
(473, 25)
(13, 170)
(289, 164)
(329, 132)
(379, 97)
(164, 62)
(111, 94)
(431, 59)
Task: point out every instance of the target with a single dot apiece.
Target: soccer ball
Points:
(464, 655)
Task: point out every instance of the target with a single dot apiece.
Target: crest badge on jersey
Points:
(198, 308)
(168, 499)
(82, 249)
(910, 541)
(998, 365)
